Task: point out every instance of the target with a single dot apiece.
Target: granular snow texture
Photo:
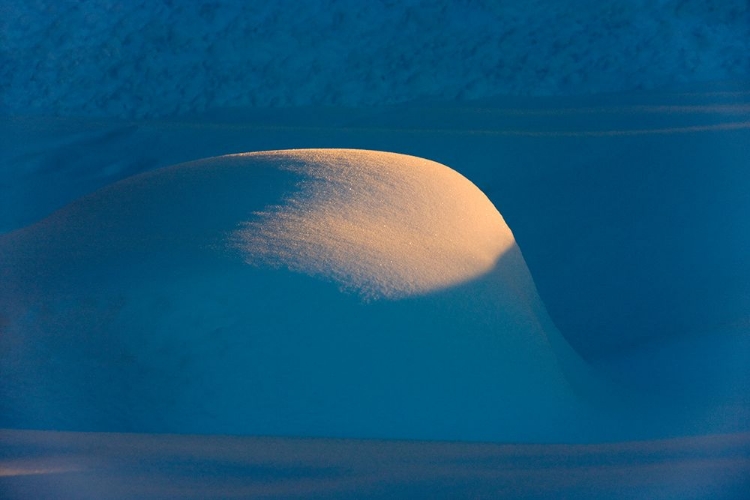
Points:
(150, 58)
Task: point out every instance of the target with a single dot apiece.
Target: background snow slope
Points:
(159, 58)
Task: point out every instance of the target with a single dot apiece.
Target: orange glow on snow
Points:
(382, 224)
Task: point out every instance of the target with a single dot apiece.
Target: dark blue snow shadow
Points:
(303, 360)
(68, 159)
(653, 236)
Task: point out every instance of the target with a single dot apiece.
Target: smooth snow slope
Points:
(169, 302)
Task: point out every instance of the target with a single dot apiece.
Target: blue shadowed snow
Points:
(154, 58)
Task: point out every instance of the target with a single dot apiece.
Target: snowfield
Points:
(284, 219)
(154, 58)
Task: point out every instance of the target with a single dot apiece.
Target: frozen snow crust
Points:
(152, 58)
(228, 295)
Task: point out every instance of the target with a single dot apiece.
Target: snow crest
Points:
(382, 224)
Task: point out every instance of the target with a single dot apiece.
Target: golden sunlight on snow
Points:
(381, 224)
(31, 469)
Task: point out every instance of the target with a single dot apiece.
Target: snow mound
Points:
(135, 309)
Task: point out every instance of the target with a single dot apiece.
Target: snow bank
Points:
(134, 308)
(149, 58)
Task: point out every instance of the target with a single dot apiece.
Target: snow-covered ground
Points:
(613, 137)
(146, 58)
(92, 466)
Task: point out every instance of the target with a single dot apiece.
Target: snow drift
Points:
(305, 292)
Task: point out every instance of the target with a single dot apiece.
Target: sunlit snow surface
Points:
(383, 225)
